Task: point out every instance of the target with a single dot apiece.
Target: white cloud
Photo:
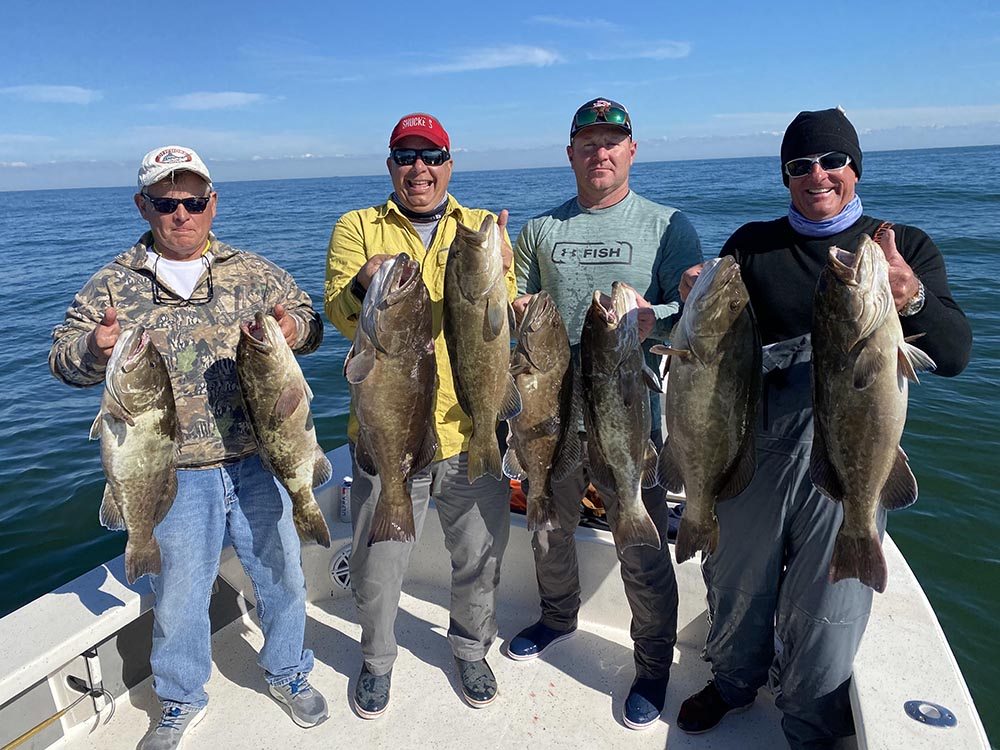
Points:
(584, 24)
(497, 57)
(656, 51)
(53, 94)
(14, 164)
(204, 100)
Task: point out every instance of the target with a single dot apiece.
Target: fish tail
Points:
(636, 529)
(484, 456)
(541, 515)
(861, 558)
(309, 522)
(392, 522)
(693, 538)
(141, 559)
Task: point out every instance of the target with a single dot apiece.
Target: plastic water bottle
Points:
(345, 500)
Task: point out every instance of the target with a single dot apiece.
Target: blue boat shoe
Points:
(177, 719)
(644, 702)
(479, 685)
(535, 640)
(304, 702)
(371, 694)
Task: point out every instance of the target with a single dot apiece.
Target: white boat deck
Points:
(570, 698)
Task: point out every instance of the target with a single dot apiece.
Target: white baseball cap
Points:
(163, 162)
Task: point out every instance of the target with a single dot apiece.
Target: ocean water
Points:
(52, 241)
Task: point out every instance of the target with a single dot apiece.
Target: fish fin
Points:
(635, 530)
(111, 513)
(308, 518)
(670, 351)
(288, 402)
(428, 449)
(322, 468)
(569, 455)
(363, 455)
(652, 381)
(861, 558)
(511, 405)
(141, 559)
(633, 390)
(650, 473)
(600, 473)
(667, 471)
(870, 362)
(821, 471)
(392, 522)
(512, 468)
(913, 359)
(493, 322)
(742, 473)
(360, 364)
(484, 455)
(693, 538)
(900, 489)
(95, 428)
(117, 412)
(541, 515)
(166, 499)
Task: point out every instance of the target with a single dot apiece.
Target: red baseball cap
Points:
(423, 125)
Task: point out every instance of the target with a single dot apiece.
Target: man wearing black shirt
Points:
(767, 580)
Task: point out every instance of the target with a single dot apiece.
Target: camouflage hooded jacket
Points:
(197, 339)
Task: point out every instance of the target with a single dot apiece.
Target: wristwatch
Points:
(916, 303)
(359, 291)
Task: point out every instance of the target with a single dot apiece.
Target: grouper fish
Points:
(277, 396)
(616, 384)
(544, 437)
(711, 402)
(137, 427)
(861, 367)
(391, 372)
(477, 331)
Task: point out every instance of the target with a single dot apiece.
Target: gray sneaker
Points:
(304, 702)
(174, 724)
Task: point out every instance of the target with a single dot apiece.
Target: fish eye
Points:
(734, 305)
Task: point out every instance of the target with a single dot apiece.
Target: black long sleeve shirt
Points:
(780, 268)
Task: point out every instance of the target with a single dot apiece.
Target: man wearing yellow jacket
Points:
(420, 218)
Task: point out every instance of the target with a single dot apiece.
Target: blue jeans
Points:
(239, 503)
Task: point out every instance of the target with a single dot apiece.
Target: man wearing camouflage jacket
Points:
(191, 292)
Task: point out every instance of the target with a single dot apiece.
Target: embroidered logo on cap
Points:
(173, 156)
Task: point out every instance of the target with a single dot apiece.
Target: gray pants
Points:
(476, 523)
(648, 575)
(768, 578)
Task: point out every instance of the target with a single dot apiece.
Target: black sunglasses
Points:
(831, 161)
(163, 296)
(432, 157)
(169, 205)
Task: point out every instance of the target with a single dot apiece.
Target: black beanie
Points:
(817, 133)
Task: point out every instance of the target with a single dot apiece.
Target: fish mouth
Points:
(136, 348)
(404, 276)
(714, 281)
(255, 331)
(621, 303)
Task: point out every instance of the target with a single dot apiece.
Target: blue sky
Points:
(304, 89)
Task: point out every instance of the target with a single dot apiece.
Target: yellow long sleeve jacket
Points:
(367, 232)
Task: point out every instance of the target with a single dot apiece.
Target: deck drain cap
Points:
(930, 713)
(340, 568)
